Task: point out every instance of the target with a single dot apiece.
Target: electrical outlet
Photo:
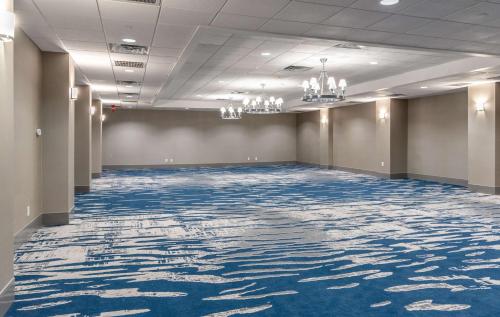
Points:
(382, 164)
(28, 211)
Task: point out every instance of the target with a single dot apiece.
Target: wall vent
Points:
(129, 64)
(149, 2)
(294, 68)
(128, 49)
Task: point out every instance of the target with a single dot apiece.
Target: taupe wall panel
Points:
(354, 137)
(437, 136)
(27, 118)
(6, 167)
(308, 137)
(58, 139)
(97, 138)
(83, 139)
(148, 137)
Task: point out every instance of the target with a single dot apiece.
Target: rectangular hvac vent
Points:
(350, 46)
(128, 83)
(151, 2)
(128, 49)
(129, 64)
(293, 68)
(396, 95)
(126, 97)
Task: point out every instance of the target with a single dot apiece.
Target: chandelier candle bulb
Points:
(262, 104)
(324, 89)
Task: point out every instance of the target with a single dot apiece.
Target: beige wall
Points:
(308, 137)
(83, 139)
(6, 164)
(97, 138)
(27, 118)
(437, 136)
(354, 137)
(148, 137)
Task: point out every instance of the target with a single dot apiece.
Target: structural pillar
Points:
(391, 137)
(6, 169)
(83, 139)
(58, 138)
(325, 138)
(484, 138)
(97, 139)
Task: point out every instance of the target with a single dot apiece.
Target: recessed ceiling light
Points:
(374, 63)
(424, 87)
(265, 54)
(129, 86)
(221, 82)
(129, 70)
(129, 40)
(389, 2)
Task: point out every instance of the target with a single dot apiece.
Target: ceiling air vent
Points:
(150, 2)
(126, 97)
(128, 83)
(349, 46)
(129, 64)
(396, 95)
(128, 49)
(294, 68)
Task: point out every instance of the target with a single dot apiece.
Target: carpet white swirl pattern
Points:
(265, 241)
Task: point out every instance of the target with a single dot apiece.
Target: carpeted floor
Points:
(265, 241)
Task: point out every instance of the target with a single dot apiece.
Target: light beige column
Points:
(83, 139)
(6, 169)
(325, 138)
(391, 137)
(97, 139)
(484, 138)
(58, 124)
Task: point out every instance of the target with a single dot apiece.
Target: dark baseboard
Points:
(444, 180)
(82, 189)
(6, 297)
(96, 175)
(121, 167)
(484, 189)
(55, 219)
(25, 234)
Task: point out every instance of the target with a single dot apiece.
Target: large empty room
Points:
(276, 158)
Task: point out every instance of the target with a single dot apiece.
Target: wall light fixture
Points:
(7, 25)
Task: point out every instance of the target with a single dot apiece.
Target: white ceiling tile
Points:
(81, 14)
(173, 36)
(477, 14)
(355, 18)
(477, 33)
(85, 46)
(440, 28)
(127, 11)
(306, 12)
(255, 8)
(341, 3)
(235, 21)
(116, 30)
(399, 23)
(80, 35)
(165, 51)
(437, 8)
(185, 17)
(236, 41)
(286, 27)
(209, 6)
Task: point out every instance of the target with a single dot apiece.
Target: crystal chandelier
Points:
(262, 105)
(230, 113)
(324, 89)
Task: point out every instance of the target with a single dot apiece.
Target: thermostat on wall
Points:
(38, 132)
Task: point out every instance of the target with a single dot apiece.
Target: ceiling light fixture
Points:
(263, 105)
(129, 40)
(374, 63)
(7, 25)
(389, 2)
(424, 87)
(324, 89)
(103, 117)
(129, 70)
(265, 54)
(92, 110)
(230, 113)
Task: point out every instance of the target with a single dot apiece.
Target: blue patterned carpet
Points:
(265, 241)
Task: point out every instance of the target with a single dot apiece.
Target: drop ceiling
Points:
(203, 52)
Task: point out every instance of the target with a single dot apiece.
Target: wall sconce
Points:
(480, 106)
(382, 115)
(7, 25)
(103, 117)
(92, 110)
(74, 93)
(324, 120)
